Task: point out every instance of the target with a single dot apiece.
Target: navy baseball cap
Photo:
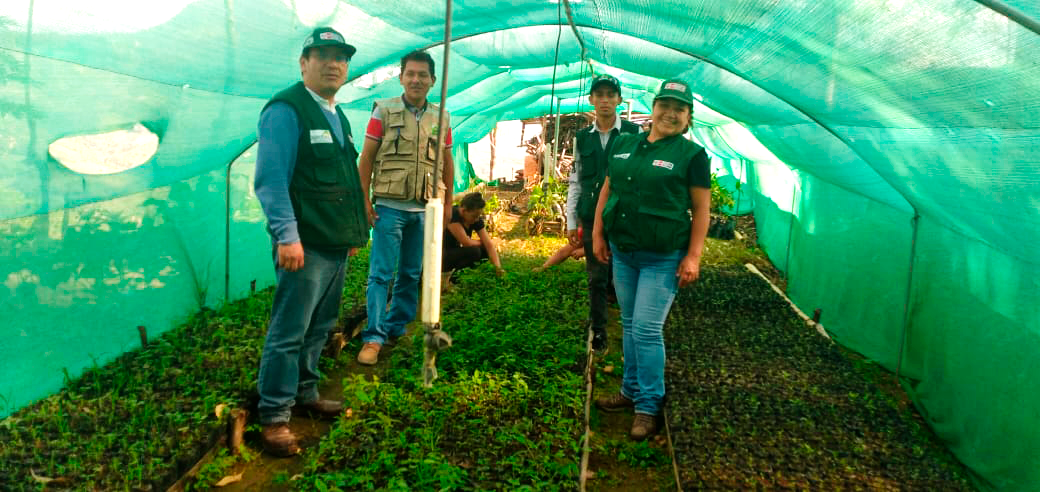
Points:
(327, 36)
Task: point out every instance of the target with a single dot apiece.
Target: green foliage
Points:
(506, 413)
(547, 201)
(721, 198)
(492, 203)
(140, 421)
(642, 454)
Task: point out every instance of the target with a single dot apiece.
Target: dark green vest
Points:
(649, 203)
(325, 190)
(594, 166)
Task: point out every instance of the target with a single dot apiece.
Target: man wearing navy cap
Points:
(586, 178)
(308, 185)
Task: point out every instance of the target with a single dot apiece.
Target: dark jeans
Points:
(464, 257)
(305, 308)
(599, 280)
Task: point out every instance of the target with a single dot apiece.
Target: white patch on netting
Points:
(106, 153)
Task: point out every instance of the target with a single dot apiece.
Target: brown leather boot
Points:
(644, 425)
(279, 441)
(369, 354)
(614, 403)
(323, 409)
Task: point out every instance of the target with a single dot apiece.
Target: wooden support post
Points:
(237, 429)
(144, 335)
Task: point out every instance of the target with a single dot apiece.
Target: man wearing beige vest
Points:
(397, 168)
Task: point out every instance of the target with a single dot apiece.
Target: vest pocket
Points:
(403, 144)
(325, 218)
(431, 149)
(393, 180)
(428, 183)
(663, 229)
(397, 139)
(589, 166)
(326, 165)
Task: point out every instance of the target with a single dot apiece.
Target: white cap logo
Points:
(330, 35)
(675, 86)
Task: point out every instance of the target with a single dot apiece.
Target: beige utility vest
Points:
(405, 162)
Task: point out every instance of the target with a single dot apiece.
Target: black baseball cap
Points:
(605, 79)
(327, 36)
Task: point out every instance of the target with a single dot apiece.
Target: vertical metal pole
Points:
(790, 232)
(434, 339)
(227, 224)
(909, 289)
(227, 232)
(556, 139)
(740, 180)
(444, 101)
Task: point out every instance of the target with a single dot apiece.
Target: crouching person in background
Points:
(461, 250)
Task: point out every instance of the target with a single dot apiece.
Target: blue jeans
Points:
(645, 283)
(306, 307)
(397, 241)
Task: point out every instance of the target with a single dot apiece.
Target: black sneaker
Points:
(599, 341)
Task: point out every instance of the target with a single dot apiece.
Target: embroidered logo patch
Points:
(321, 136)
(622, 156)
(665, 164)
(330, 35)
(675, 86)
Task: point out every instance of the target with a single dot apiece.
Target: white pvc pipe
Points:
(431, 284)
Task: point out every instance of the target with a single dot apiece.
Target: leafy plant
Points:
(547, 201)
(721, 197)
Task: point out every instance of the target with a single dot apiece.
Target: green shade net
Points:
(843, 121)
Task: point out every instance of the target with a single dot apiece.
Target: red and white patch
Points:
(329, 35)
(665, 164)
(675, 86)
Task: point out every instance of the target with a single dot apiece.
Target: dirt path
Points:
(266, 473)
(616, 463)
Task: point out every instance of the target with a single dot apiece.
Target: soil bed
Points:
(757, 399)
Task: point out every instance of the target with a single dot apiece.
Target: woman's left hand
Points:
(689, 270)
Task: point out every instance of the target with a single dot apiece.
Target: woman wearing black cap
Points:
(654, 181)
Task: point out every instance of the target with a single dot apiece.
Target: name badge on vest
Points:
(665, 164)
(321, 136)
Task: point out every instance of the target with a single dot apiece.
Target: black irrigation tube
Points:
(570, 20)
